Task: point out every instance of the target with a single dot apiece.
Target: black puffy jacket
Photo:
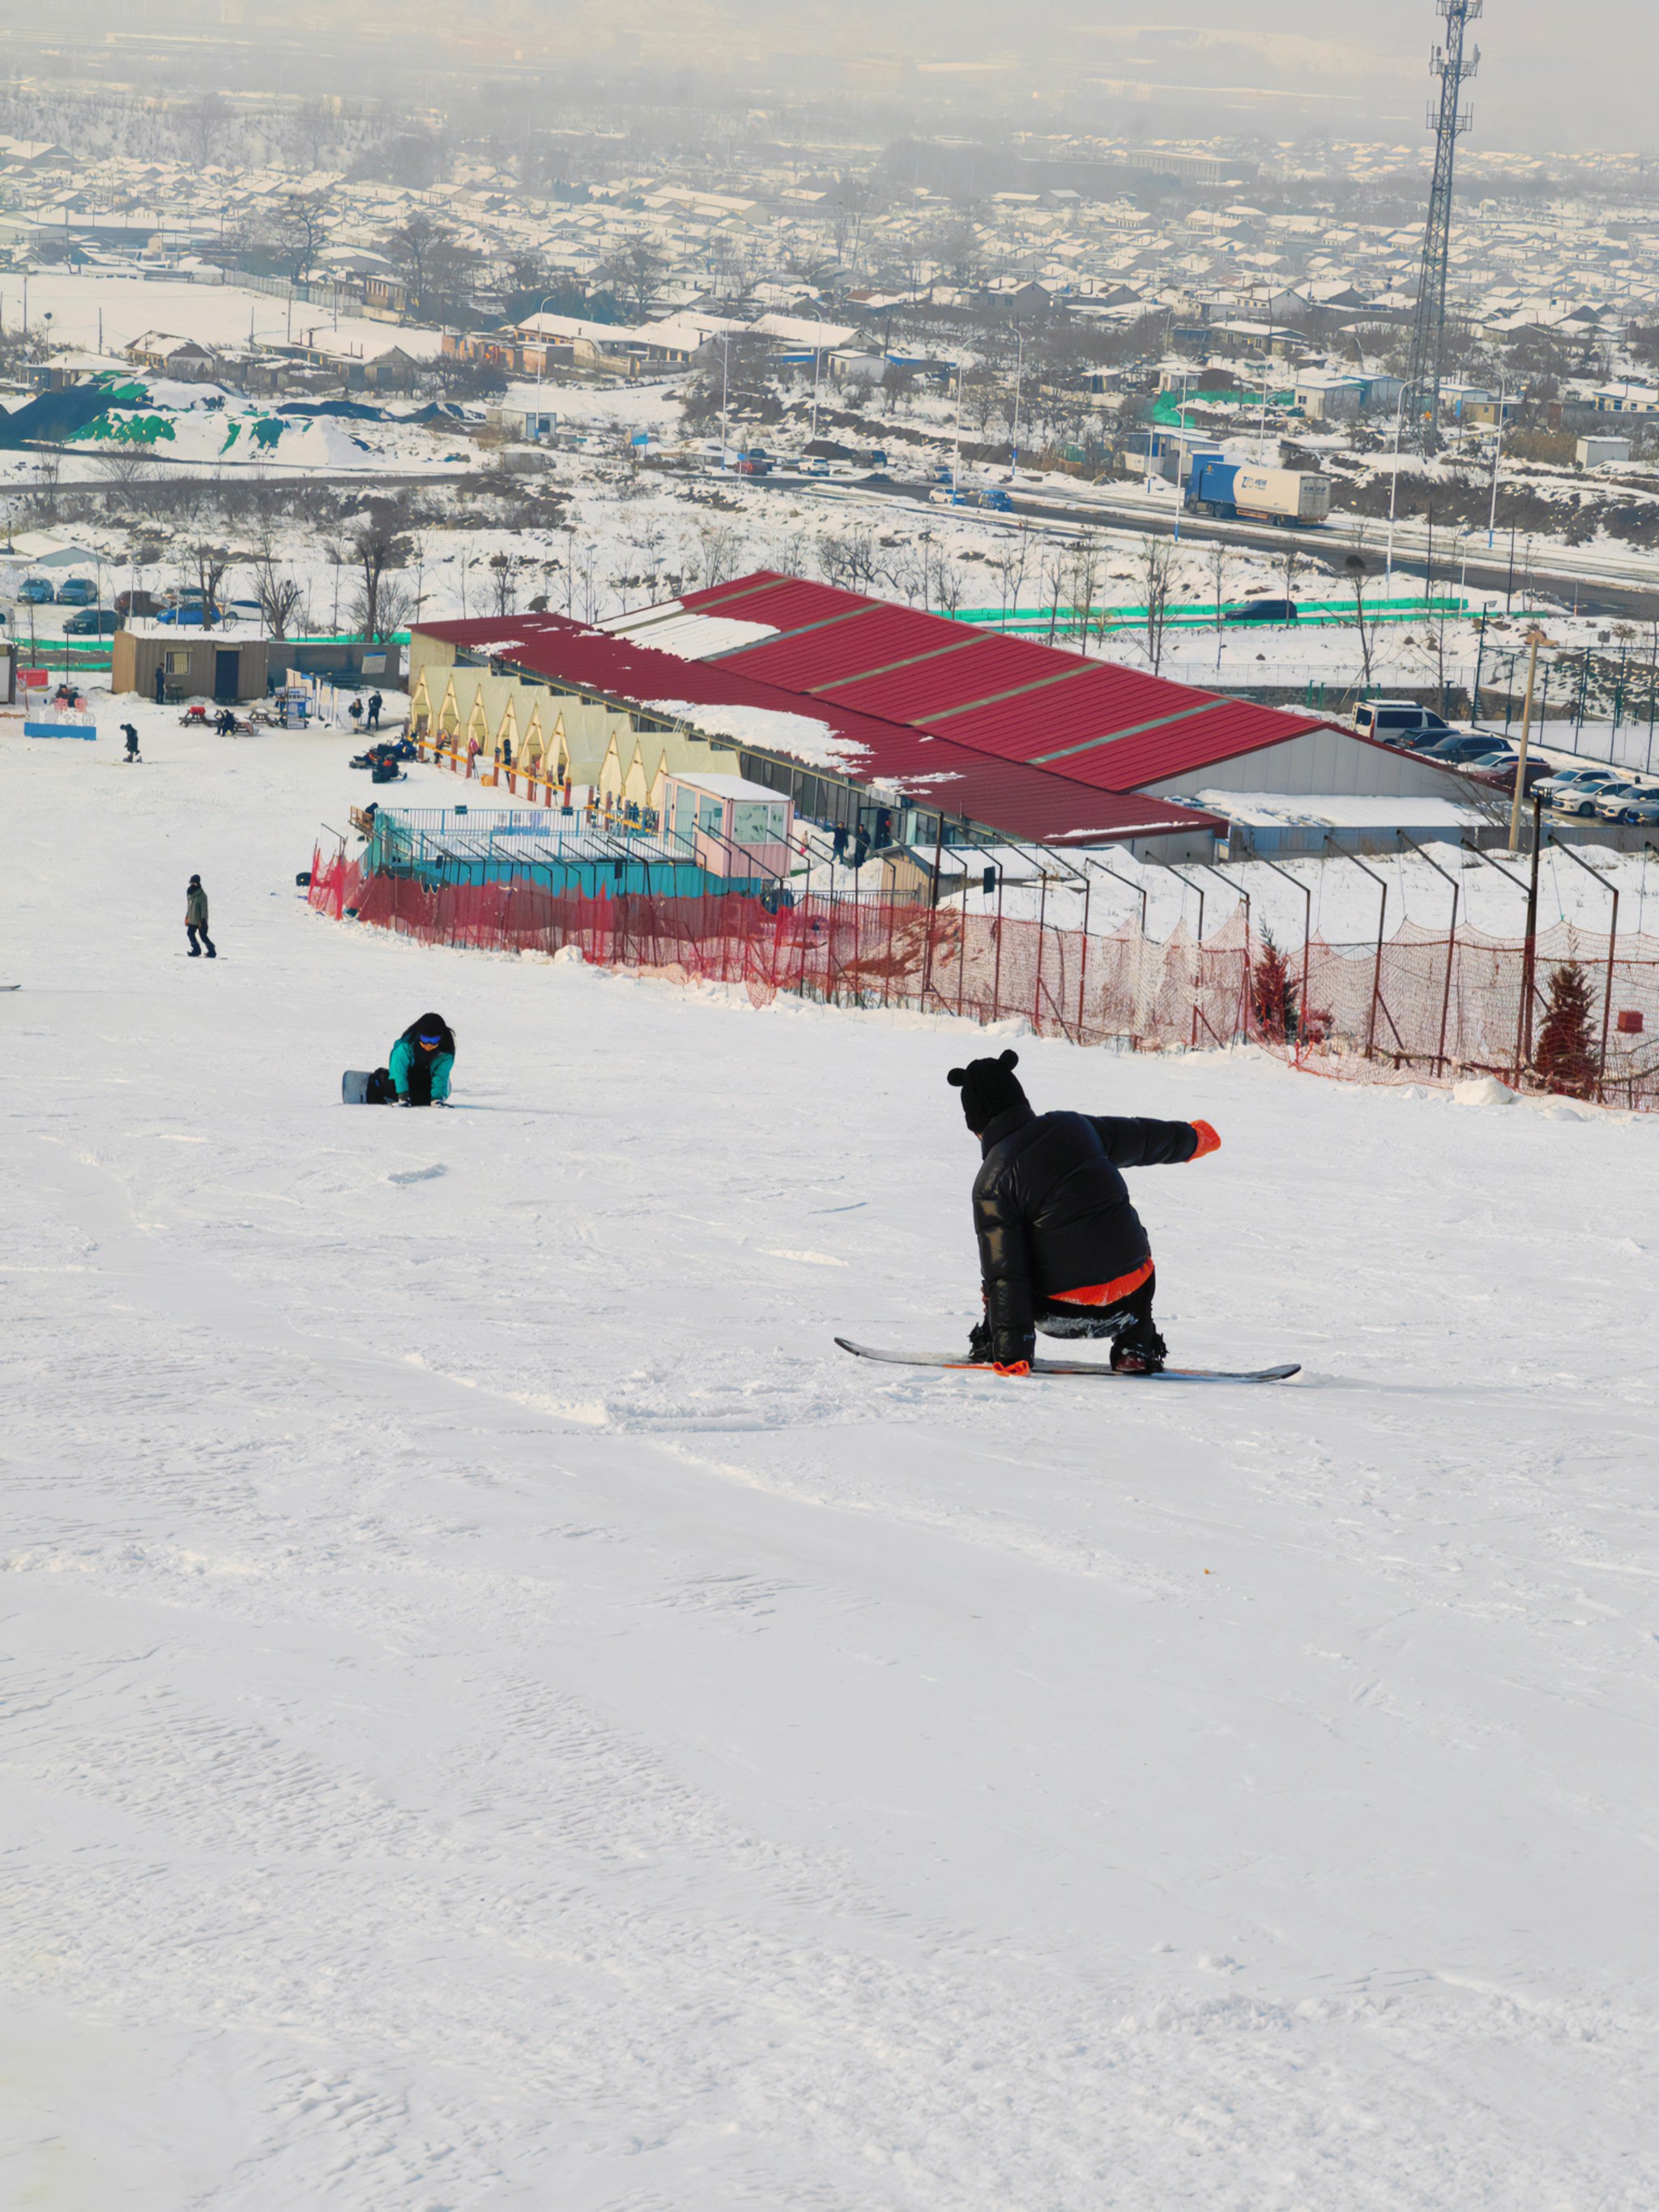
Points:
(1051, 1212)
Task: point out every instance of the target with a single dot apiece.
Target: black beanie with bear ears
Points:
(988, 1087)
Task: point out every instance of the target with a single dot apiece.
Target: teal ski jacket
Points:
(403, 1059)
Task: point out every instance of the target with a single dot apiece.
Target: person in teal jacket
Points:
(420, 1062)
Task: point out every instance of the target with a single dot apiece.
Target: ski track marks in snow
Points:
(498, 1711)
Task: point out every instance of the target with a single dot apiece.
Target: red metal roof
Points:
(1030, 803)
(1093, 721)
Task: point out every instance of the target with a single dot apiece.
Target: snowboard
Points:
(1064, 1367)
(354, 1086)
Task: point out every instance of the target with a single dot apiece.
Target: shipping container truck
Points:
(1292, 497)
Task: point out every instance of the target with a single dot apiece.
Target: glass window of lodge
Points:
(755, 823)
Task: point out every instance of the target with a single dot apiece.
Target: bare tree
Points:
(438, 271)
(126, 463)
(199, 126)
(1221, 567)
(1358, 568)
(211, 564)
(279, 596)
(297, 231)
(398, 608)
(231, 247)
(393, 604)
(504, 589)
(374, 549)
(48, 468)
(720, 547)
(1086, 565)
(1292, 562)
(1008, 567)
(1053, 583)
(950, 585)
(1156, 562)
(635, 274)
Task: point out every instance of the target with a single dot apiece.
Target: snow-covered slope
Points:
(500, 1711)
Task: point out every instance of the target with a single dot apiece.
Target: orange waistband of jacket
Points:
(1105, 1294)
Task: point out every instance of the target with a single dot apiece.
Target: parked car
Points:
(78, 591)
(1581, 797)
(1457, 749)
(92, 622)
(1399, 721)
(1558, 786)
(188, 615)
(1499, 768)
(1643, 813)
(1264, 610)
(144, 605)
(36, 590)
(1622, 802)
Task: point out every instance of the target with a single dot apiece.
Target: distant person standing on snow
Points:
(355, 711)
(196, 920)
(375, 703)
(420, 1062)
(161, 684)
(131, 736)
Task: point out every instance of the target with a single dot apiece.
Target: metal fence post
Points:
(1306, 891)
(1382, 923)
(1523, 1011)
(1451, 947)
(1607, 988)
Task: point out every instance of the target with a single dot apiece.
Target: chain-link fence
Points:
(1570, 1010)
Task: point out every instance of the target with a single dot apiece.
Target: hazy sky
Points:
(1578, 72)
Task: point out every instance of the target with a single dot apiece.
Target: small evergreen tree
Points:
(1564, 1058)
(1273, 994)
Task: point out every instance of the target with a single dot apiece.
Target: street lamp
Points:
(817, 356)
(1394, 492)
(956, 454)
(1013, 427)
(1497, 447)
(541, 361)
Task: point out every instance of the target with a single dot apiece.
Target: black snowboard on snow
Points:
(1062, 1367)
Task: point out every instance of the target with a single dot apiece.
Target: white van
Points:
(1400, 721)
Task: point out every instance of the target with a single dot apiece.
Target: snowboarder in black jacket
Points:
(1061, 1247)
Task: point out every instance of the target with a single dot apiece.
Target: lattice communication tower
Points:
(1454, 63)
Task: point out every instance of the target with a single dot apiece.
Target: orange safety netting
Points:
(1419, 1008)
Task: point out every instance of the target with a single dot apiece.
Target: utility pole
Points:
(1448, 118)
(1497, 456)
(1535, 639)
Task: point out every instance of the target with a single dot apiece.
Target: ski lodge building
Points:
(903, 728)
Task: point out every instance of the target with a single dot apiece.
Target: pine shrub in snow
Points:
(1564, 1058)
(1273, 994)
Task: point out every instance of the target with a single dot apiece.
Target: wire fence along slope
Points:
(1417, 1006)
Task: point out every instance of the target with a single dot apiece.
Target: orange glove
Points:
(1016, 1367)
(1207, 1140)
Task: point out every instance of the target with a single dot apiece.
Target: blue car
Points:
(188, 616)
(36, 590)
(78, 591)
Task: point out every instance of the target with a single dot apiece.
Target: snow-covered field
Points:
(500, 1711)
(113, 312)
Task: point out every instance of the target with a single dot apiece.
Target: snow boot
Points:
(1139, 1351)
